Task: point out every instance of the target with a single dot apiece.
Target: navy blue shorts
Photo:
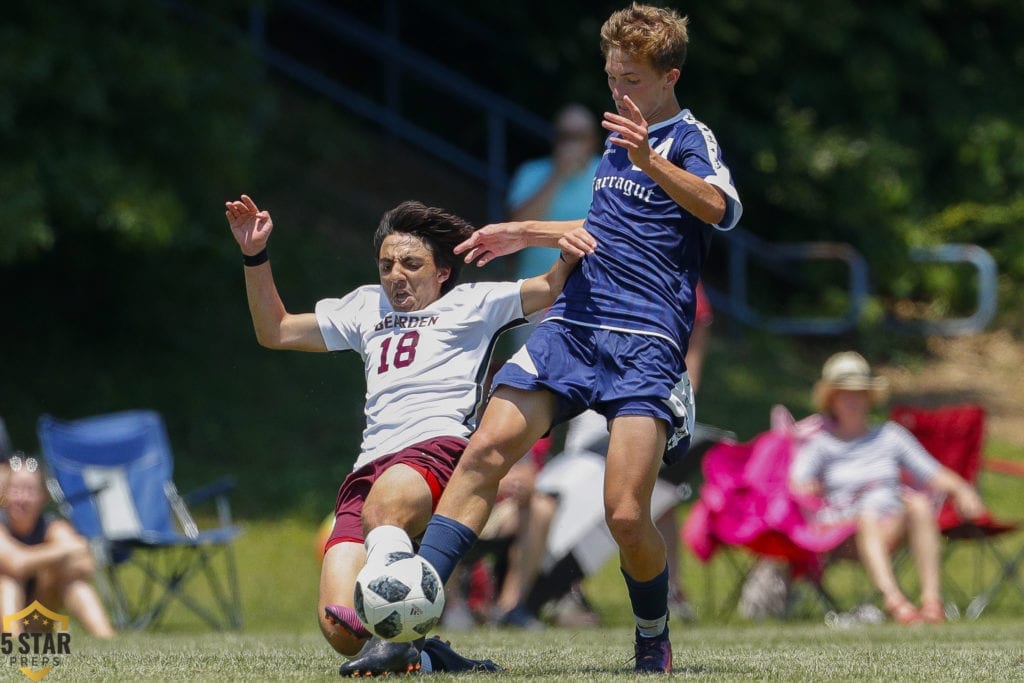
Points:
(615, 373)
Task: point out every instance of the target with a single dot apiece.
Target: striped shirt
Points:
(864, 474)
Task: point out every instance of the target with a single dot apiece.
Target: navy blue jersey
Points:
(643, 277)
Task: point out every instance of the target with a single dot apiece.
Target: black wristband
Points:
(255, 259)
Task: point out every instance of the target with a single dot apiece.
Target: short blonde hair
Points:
(655, 34)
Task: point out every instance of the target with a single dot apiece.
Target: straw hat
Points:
(847, 370)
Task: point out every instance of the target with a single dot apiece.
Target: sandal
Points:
(901, 611)
(933, 612)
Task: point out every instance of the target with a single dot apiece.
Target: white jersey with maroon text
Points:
(423, 368)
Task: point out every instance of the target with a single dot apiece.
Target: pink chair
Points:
(745, 502)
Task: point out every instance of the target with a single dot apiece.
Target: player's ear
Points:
(443, 274)
(671, 78)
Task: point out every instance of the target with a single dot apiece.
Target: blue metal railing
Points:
(500, 114)
(987, 299)
(743, 244)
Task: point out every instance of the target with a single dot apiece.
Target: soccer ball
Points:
(400, 597)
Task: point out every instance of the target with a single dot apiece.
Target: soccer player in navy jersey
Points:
(616, 338)
(424, 341)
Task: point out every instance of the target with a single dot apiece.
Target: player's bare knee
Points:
(380, 513)
(485, 464)
(626, 527)
(401, 502)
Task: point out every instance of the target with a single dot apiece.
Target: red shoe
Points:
(902, 612)
(933, 612)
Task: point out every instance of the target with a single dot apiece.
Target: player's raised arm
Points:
(501, 239)
(275, 327)
(540, 292)
(696, 195)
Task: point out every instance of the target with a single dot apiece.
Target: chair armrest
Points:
(212, 490)
(217, 490)
(64, 502)
(84, 494)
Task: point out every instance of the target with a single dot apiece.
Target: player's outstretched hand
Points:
(632, 133)
(492, 241)
(576, 244)
(250, 226)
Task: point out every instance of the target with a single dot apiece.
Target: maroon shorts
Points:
(434, 459)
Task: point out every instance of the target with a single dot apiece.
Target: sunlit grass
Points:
(988, 650)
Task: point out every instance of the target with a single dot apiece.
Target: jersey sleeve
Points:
(500, 303)
(700, 154)
(339, 319)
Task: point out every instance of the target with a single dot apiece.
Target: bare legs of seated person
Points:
(877, 536)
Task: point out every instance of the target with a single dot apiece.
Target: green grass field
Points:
(990, 650)
(279, 574)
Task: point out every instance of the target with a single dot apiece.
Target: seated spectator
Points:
(41, 556)
(856, 468)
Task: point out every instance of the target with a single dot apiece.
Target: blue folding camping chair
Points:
(111, 476)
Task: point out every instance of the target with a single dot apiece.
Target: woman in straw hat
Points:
(856, 468)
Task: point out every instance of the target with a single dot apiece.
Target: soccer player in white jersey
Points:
(616, 338)
(425, 342)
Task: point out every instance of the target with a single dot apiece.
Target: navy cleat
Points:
(653, 655)
(383, 658)
(347, 619)
(444, 658)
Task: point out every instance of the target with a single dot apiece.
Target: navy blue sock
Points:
(444, 543)
(650, 604)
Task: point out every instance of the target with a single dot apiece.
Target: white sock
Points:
(387, 539)
(651, 628)
(426, 666)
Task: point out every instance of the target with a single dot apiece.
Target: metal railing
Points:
(987, 298)
(401, 62)
(744, 247)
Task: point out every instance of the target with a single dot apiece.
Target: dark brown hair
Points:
(439, 230)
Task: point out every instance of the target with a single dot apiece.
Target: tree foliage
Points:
(882, 124)
(125, 125)
(117, 117)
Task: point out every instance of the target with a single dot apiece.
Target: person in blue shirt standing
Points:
(616, 338)
(556, 187)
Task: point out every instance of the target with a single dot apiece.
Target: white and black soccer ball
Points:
(399, 597)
